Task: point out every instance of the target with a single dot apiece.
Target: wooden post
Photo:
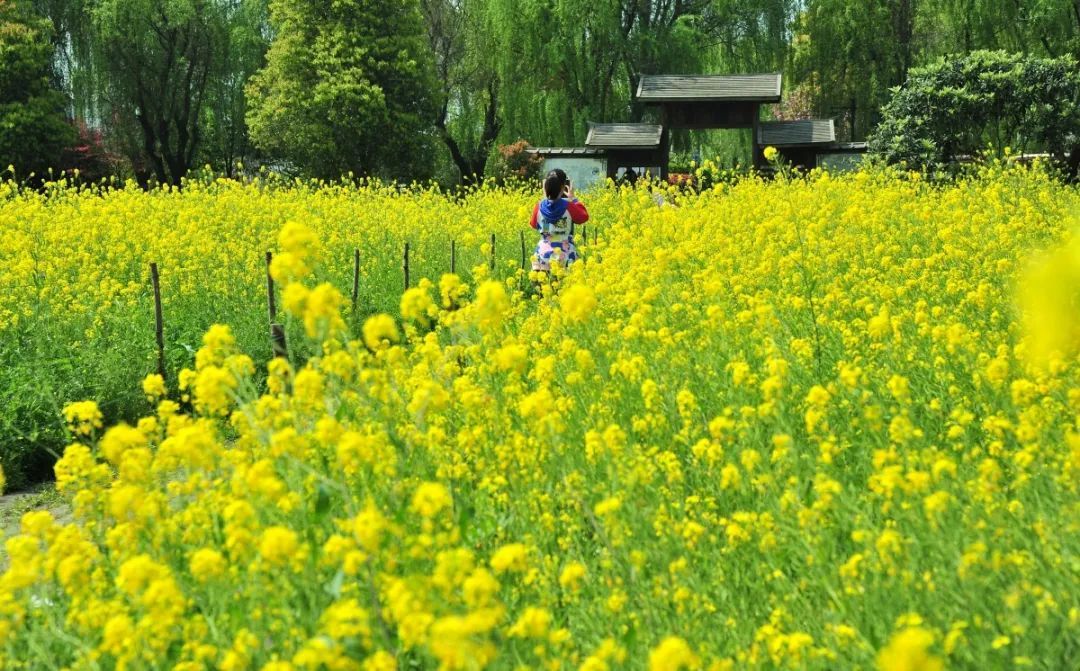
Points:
(277, 341)
(522, 249)
(492, 263)
(665, 152)
(159, 327)
(453, 256)
(270, 304)
(355, 278)
(277, 331)
(757, 152)
(405, 265)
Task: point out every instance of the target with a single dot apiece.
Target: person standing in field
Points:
(555, 216)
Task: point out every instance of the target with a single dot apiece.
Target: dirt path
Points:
(41, 497)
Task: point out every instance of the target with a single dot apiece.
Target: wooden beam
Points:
(756, 151)
(707, 116)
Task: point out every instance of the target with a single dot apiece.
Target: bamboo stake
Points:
(159, 326)
(277, 331)
(271, 305)
(492, 263)
(355, 278)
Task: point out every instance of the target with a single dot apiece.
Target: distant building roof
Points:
(624, 136)
(763, 88)
(584, 152)
(796, 133)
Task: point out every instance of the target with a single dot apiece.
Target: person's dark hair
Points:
(554, 183)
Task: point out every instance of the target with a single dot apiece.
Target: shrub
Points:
(514, 161)
(960, 105)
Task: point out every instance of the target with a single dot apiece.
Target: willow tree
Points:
(580, 60)
(164, 81)
(853, 54)
(468, 120)
(563, 62)
(1041, 27)
(158, 59)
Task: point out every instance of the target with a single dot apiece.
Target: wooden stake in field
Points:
(405, 265)
(355, 278)
(492, 263)
(522, 233)
(453, 256)
(277, 331)
(159, 326)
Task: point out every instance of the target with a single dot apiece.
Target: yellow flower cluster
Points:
(775, 425)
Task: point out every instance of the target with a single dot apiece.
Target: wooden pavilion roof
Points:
(760, 88)
(796, 133)
(624, 136)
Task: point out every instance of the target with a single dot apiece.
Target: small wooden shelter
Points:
(628, 145)
(699, 102)
(799, 142)
(810, 143)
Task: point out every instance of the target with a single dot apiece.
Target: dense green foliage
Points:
(163, 80)
(961, 105)
(346, 88)
(158, 59)
(33, 131)
(491, 72)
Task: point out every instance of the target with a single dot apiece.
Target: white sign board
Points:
(583, 171)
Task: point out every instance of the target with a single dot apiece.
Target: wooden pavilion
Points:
(702, 102)
(699, 102)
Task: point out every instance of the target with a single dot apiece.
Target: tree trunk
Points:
(472, 168)
(905, 28)
(463, 165)
(150, 144)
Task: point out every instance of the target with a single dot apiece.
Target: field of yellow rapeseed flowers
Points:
(775, 425)
(77, 311)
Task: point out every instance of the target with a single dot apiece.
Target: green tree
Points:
(33, 127)
(565, 64)
(95, 40)
(960, 105)
(852, 54)
(1039, 27)
(239, 57)
(348, 86)
(157, 59)
(579, 60)
(468, 120)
